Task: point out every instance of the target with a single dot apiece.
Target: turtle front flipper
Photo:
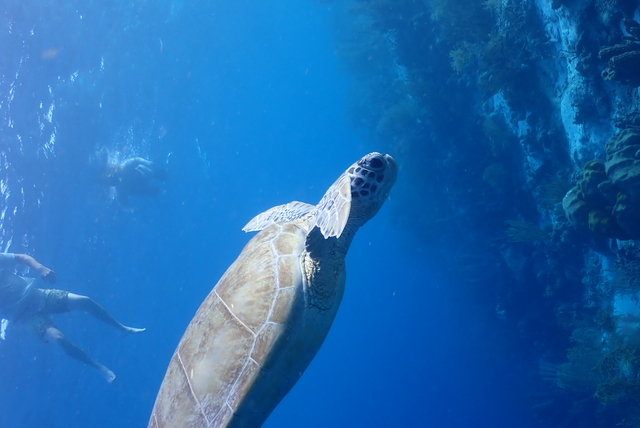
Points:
(287, 212)
(334, 208)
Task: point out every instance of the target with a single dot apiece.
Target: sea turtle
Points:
(262, 324)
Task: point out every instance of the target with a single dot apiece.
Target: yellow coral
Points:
(602, 223)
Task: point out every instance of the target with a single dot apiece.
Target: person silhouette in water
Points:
(29, 307)
(134, 177)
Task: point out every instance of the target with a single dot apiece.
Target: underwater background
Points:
(480, 295)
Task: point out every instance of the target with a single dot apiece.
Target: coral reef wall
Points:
(518, 123)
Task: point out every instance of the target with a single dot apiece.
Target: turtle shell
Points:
(262, 324)
(242, 353)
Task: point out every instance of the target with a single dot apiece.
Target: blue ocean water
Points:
(243, 103)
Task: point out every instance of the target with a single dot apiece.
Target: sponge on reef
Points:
(606, 200)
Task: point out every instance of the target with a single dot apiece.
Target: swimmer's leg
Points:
(83, 303)
(144, 170)
(144, 162)
(54, 335)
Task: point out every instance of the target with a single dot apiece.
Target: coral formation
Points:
(495, 107)
(624, 67)
(606, 200)
(623, 161)
(623, 170)
(587, 208)
(626, 272)
(624, 59)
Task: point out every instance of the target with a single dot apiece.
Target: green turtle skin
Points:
(262, 324)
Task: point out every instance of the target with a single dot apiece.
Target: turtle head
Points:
(357, 195)
(371, 180)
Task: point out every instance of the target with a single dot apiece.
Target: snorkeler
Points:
(27, 306)
(134, 177)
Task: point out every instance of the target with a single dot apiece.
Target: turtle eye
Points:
(376, 163)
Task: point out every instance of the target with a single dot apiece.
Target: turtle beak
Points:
(390, 174)
(391, 165)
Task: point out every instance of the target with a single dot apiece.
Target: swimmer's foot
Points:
(108, 375)
(131, 330)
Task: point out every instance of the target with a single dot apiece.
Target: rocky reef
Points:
(518, 122)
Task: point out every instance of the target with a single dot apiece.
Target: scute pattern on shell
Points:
(281, 213)
(232, 337)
